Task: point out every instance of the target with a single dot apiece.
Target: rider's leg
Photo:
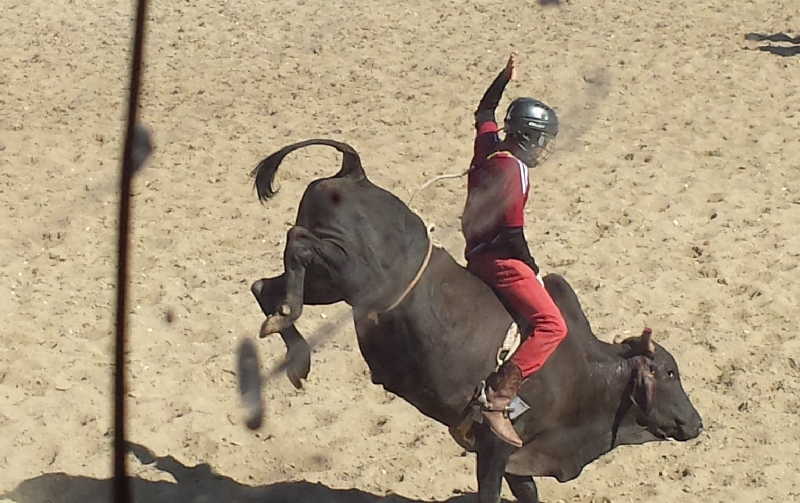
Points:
(516, 283)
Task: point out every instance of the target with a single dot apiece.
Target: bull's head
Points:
(656, 391)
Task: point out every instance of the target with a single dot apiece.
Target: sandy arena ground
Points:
(673, 201)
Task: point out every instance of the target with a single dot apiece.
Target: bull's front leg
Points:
(523, 488)
(493, 456)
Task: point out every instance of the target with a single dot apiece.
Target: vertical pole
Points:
(121, 487)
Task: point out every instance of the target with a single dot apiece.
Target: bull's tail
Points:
(264, 173)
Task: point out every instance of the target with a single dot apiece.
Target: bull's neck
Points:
(400, 278)
(612, 380)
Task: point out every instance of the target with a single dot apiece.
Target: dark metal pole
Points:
(121, 486)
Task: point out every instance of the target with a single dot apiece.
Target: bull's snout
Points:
(690, 428)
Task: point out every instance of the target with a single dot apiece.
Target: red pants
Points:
(516, 283)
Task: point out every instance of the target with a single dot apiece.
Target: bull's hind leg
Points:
(298, 356)
(523, 488)
(282, 298)
(269, 293)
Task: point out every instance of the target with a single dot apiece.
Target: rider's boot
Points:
(501, 389)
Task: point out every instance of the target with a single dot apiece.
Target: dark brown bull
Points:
(429, 331)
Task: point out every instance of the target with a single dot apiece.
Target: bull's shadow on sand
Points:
(193, 484)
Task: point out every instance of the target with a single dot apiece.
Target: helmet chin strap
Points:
(531, 159)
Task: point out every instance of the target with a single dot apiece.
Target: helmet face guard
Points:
(532, 150)
(532, 126)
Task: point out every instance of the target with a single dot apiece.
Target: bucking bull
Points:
(430, 332)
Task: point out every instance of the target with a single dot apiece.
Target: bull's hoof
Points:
(298, 363)
(464, 435)
(274, 324)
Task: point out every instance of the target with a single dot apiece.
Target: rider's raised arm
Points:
(491, 98)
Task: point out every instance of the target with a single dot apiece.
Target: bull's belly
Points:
(405, 379)
(423, 376)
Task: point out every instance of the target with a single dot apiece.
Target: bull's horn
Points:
(647, 346)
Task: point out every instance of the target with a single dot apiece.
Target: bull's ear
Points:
(644, 385)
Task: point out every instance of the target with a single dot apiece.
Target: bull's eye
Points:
(671, 374)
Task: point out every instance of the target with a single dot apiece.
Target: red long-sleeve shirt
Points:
(497, 189)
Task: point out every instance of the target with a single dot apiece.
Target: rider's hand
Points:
(511, 66)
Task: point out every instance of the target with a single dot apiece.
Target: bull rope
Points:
(132, 159)
(374, 314)
(416, 278)
(434, 180)
(446, 176)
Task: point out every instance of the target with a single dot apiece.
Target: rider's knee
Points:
(556, 326)
(560, 327)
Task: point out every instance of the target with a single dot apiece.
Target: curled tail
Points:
(264, 173)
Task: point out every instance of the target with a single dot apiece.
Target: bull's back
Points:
(359, 212)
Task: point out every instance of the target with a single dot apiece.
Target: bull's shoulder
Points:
(567, 301)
